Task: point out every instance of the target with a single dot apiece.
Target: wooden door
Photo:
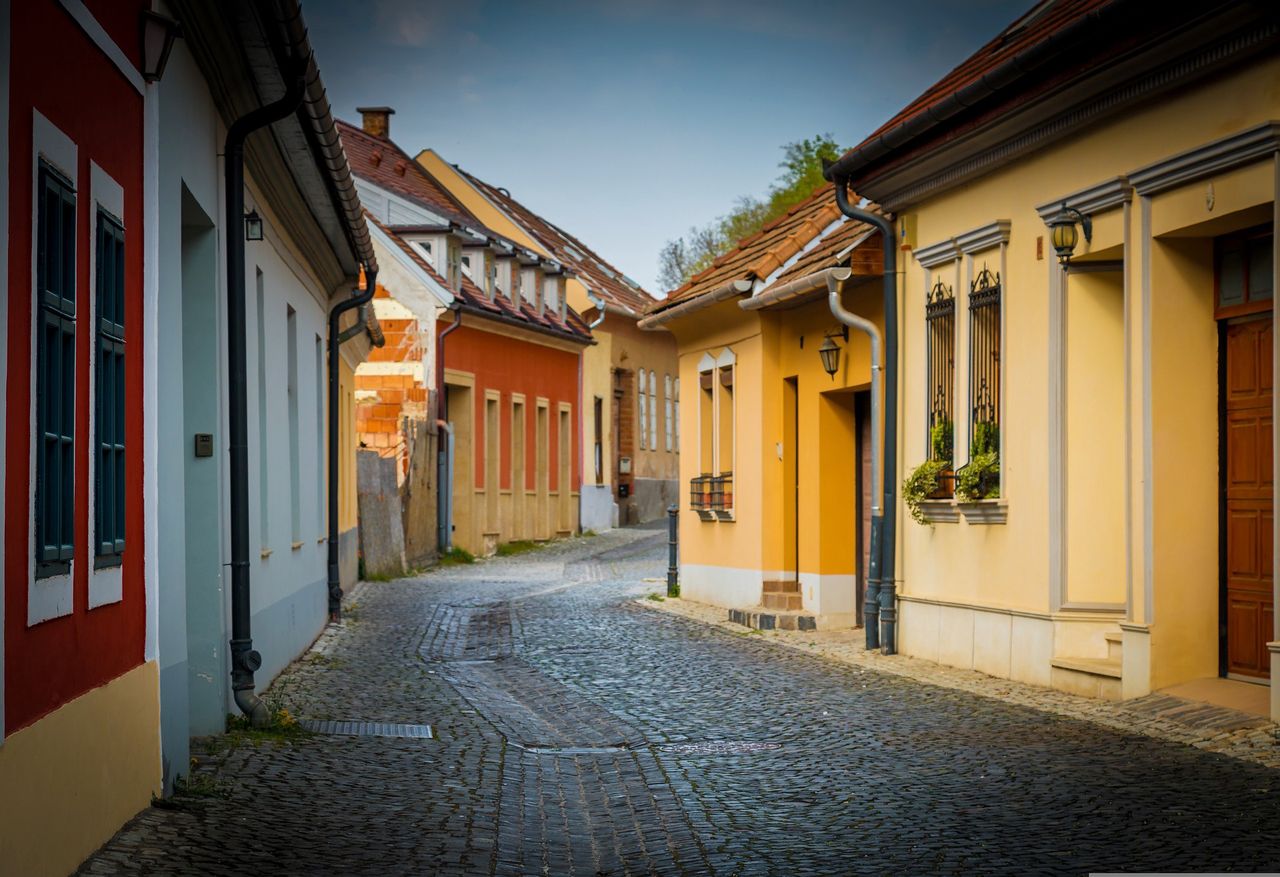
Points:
(1247, 495)
(791, 478)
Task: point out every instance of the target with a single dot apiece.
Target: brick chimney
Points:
(376, 121)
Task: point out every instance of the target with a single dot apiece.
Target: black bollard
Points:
(673, 551)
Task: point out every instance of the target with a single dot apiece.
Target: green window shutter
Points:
(55, 373)
(109, 395)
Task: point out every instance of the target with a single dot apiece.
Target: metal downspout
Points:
(582, 409)
(244, 660)
(870, 607)
(886, 587)
(444, 453)
(336, 339)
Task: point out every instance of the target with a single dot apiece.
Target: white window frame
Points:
(668, 410)
(53, 596)
(676, 415)
(642, 420)
(653, 411)
(106, 585)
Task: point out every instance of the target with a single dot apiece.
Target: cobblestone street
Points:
(576, 732)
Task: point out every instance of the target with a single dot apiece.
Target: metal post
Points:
(673, 551)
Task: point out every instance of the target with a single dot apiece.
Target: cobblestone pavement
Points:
(578, 733)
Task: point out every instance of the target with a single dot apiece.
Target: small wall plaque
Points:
(624, 465)
(204, 444)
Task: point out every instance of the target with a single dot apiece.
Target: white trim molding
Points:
(1104, 196)
(100, 38)
(986, 237)
(150, 366)
(106, 585)
(1244, 147)
(51, 597)
(941, 253)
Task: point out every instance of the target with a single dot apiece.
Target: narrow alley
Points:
(573, 731)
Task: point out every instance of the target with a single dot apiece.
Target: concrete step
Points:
(782, 587)
(772, 600)
(1088, 677)
(759, 618)
(1115, 644)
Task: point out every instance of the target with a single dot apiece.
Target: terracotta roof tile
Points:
(473, 299)
(602, 277)
(758, 256)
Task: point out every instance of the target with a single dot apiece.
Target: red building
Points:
(79, 683)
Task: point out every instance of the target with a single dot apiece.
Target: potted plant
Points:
(930, 479)
(980, 478)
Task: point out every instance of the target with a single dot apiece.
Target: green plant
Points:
(281, 727)
(986, 439)
(920, 485)
(455, 556)
(657, 598)
(519, 546)
(201, 785)
(942, 441)
(980, 479)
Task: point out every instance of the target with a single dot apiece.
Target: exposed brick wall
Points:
(624, 407)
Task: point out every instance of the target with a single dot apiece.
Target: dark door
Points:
(1247, 495)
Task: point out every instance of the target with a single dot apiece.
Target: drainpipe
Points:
(582, 409)
(870, 607)
(599, 303)
(336, 339)
(889, 510)
(444, 455)
(244, 660)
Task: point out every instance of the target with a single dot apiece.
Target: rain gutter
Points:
(693, 305)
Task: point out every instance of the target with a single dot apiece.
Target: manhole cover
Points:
(719, 747)
(368, 729)
(574, 750)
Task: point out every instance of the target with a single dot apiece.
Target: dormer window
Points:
(424, 250)
(466, 267)
(454, 265)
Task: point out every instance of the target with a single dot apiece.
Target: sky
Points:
(626, 123)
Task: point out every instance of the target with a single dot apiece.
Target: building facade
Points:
(630, 389)
(775, 449)
(1103, 237)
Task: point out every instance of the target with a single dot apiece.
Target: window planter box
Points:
(940, 511)
(946, 485)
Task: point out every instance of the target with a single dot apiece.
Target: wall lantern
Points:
(158, 34)
(252, 226)
(1063, 231)
(830, 354)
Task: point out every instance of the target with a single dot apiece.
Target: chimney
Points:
(376, 121)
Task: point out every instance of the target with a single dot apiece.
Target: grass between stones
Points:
(519, 546)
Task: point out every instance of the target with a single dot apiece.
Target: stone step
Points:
(1115, 644)
(1090, 677)
(772, 600)
(782, 587)
(1097, 666)
(759, 618)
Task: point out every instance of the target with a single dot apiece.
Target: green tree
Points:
(681, 258)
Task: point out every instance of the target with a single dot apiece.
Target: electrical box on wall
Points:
(204, 444)
(624, 465)
(624, 490)
(907, 231)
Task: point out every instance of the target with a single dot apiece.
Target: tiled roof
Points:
(384, 164)
(473, 299)
(758, 256)
(603, 279)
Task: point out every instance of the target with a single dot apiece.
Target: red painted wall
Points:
(86, 97)
(514, 365)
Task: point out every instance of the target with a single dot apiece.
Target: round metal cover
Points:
(720, 747)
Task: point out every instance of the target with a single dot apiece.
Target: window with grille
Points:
(109, 394)
(984, 371)
(668, 411)
(653, 411)
(55, 372)
(940, 317)
(676, 415)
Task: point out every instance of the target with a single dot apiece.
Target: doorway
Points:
(862, 415)
(790, 479)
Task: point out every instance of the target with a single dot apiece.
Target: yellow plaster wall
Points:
(1008, 565)
(635, 349)
(348, 514)
(72, 779)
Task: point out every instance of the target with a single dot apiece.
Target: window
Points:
(670, 421)
(711, 493)
(109, 392)
(676, 418)
(55, 372)
(264, 483)
(295, 463)
(984, 379)
(599, 439)
(653, 411)
(940, 319)
(644, 409)
(1242, 282)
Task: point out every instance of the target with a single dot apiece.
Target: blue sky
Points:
(626, 123)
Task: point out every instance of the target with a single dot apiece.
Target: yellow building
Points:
(774, 449)
(1112, 408)
(630, 391)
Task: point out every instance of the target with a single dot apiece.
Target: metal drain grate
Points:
(573, 750)
(719, 747)
(369, 729)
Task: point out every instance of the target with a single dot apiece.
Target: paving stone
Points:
(577, 732)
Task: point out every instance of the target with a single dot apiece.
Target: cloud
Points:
(407, 23)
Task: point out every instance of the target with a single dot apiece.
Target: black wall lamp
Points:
(252, 226)
(1063, 232)
(158, 34)
(829, 352)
